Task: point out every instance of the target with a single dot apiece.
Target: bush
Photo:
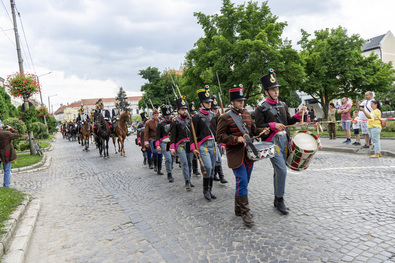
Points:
(39, 129)
(19, 126)
(24, 147)
(386, 108)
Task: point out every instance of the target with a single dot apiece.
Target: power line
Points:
(24, 35)
(6, 10)
(7, 35)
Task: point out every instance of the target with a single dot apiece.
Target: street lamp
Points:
(49, 104)
(41, 97)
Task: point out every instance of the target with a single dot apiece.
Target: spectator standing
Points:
(344, 110)
(7, 151)
(364, 124)
(312, 114)
(337, 106)
(355, 127)
(387, 101)
(332, 117)
(374, 126)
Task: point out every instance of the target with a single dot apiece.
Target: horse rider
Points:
(106, 114)
(116, 112)
(228, 133)
(192, 112)
(205, 124)
(149, 141)
(162, 143)
(220, 150)
(180, 134)
(82, 117)
(140, 135)
(274, 114)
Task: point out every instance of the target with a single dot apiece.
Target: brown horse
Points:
(85, 134)
(121, 130)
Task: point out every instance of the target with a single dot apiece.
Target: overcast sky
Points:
(93, 47)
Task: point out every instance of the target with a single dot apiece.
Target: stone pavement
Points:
(116, 210)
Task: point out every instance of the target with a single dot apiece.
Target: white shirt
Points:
(356, 125)
(368, 107)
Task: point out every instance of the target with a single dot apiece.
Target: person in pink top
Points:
(344, 110)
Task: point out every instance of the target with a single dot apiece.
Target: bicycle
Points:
(39, 151)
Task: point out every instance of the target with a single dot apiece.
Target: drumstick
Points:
(259, 135)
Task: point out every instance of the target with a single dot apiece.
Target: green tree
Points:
(19, 126)
(6, 108)
(292, 100)
(122, 98)
(239, 44)
(335, 67)
(157, 90)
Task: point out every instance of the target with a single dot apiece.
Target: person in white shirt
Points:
(364, 124)
(355, 127)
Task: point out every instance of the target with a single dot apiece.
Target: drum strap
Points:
(240, 124)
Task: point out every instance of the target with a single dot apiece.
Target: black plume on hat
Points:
(269, 80)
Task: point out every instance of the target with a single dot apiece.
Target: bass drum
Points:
(303, 146)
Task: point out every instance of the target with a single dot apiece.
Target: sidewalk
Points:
(387, 146)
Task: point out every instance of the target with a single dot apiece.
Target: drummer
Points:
(229, 135)
(274, 114)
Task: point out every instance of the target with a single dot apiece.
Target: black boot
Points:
(206, 191)
(188, 185)
(160, 168)
(221, 175)
(279, 204)
(211, 188)
(170, 177)
(195, 166)
(155, 165)
(245, 211)
(145, 161)
(237, 206)
(150, 163)
(215, 174)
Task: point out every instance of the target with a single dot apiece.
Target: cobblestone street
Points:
(117, 210)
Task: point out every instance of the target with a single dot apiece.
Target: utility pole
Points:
(20, 61)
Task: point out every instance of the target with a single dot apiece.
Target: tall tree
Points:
(6, 108)
(335, 67)
(122, 99)
(157, 89)
(239, 44)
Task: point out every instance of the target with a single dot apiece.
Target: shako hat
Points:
(269, 79)
(100, 102)
(192, 108)
(204, 94)
(166, 110)
(236, 93)
(181, 103)
(144, 116)
(214, 104)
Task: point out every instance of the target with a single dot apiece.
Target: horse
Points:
(103, 134)
(72, 136)
(121, 131)
(85, 134)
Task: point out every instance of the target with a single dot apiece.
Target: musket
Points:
(151, 103)
(175, 94)
(220, 95)
(202, 167)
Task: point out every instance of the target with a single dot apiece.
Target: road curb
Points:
(355, 151)
(17, 240)
(42, 165)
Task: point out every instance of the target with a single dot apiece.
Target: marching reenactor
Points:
(220, 149)
(229, 133)
(162, 143)
(192, 112)
(274, 114)
(140, 135)
(154, 158)
(205, 123)
(180, 134)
